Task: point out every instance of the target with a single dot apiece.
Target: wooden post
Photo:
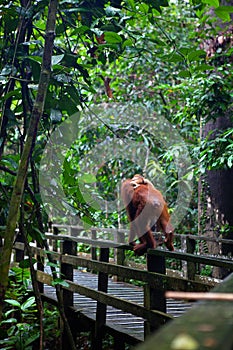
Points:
(93, 249)
(120, 252)
(154, 299)
(55, 232)
(19, 254)
(101, 308)
(191, 266)
(75, 232)
(67, 270)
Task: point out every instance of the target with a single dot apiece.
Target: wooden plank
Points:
(207, 239)
(207, 326)
(154, 316)
(200, 296)
(44, 277)
(85, 240)
(126, 232)
(100, 229)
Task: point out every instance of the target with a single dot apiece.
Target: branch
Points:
(7, 170)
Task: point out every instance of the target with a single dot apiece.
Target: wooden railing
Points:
(64, 252)
(188, 244)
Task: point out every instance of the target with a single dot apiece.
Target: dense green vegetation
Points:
(134, 87)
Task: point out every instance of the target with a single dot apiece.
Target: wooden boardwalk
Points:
(117, 319)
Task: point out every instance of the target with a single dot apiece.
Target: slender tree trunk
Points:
(28, 147)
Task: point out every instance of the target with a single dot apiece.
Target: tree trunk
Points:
(216, 187)
(215, 200)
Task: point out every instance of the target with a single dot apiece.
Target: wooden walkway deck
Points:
(117, 319)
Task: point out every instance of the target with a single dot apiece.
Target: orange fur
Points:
(146, 208)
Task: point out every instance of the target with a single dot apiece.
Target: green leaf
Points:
(126, 43)
(173, 57)
(224, 12)
(10, 320)
(37, 234)
(196, 55)
(57, 59)
(203, 67)
(37, 59)
(80, 30)
(28, 303)
(88, 198)
(24, 264)
(112, 38)
(15, 92)
(60, 282)
(144, 8)
(13, 302)
(74, 93)
(185, 50)
(87, 220)
(52, 264)
(31, 339)
(184, 74)
(214, 3)
(131, 3)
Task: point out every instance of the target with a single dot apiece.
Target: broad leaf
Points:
(13, 302)
(214, 3)
(112, 37)
(224, 12)
(28, 303)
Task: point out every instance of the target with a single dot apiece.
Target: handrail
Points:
(126, 231)
(195, 258)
